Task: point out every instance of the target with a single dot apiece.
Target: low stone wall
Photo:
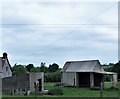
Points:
(14, 83)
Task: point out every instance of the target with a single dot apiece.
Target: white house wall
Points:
(0, 64)
(8, 72)
(69, 79)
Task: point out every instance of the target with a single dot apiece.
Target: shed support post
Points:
(114, 80)
(75, 80)
(91, 80)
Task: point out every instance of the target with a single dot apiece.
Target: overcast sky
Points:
(35, 31)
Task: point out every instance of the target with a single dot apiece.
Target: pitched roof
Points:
(83, 66)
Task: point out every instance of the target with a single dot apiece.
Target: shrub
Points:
(55, 91)
(57, 84)
(95, 88)
(107, 78)
(111, 89)
(53, 77)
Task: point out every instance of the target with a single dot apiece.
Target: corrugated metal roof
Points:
(85, 66)
(81, 66)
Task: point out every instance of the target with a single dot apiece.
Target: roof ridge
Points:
(82, 61)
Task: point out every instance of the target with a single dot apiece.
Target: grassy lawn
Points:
(84, 92)
(74, 92)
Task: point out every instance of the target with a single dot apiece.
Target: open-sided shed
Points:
(85, 74)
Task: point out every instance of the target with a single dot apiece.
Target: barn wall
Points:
(98, 68)
(69, 79)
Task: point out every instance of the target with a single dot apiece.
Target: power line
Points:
(54, 2)
(58, 24)
(76, 28)
(51, 44)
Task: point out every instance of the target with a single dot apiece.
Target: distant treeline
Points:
(52, 73)
(111, 67)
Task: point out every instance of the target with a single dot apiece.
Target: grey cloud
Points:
(34, 43)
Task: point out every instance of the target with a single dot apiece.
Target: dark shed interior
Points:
(98, 78)
(84, 79)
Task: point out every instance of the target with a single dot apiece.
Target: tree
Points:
(29, 67)
(114, 68)
(53, 76)
(43, 68)
(53, 68)
(111, 64)
(35, 69)
(42, 64)
(19, 69)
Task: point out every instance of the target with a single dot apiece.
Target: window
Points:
(6, 68)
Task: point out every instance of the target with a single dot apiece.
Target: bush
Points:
(107, 78)
(95, 88)
(57, 84)
(55, 91)
(53, 77)
(111, 89)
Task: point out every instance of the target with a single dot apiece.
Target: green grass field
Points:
(72, 92)
(85, 92)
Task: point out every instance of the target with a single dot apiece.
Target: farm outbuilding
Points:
(25, 82)
(85, 74)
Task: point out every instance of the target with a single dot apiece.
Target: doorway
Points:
(98, 78)
(40, 84)
(84, 79)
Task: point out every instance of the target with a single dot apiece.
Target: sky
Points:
(56, 31)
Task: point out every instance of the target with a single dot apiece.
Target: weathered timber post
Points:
(101, 89)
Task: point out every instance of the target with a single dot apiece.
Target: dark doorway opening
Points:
(40, 84)
(84, 79)
(98, 78)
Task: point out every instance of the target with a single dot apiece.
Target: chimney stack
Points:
(4, 55)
